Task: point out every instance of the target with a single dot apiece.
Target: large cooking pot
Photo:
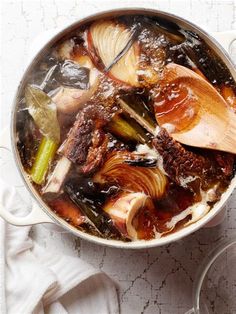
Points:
(41, 213)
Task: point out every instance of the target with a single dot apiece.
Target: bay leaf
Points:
(43, 111)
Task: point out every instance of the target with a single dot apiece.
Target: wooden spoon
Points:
(194, 112)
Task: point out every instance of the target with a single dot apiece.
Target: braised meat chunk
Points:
(85, 133)
(192, 170)
(178, 162)
(96, 151)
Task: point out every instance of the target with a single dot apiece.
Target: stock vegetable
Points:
(43, 111)
(123, 209)
(116, 170)
(142, 161)
(115, 49)
(69, 99)
(127, 129)
(44, 156)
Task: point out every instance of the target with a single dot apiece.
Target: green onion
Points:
(128, 130)
(44, 156)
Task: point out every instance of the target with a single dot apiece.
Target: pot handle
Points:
(37, 215)
(225, 39)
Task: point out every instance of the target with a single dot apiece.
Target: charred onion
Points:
(150, 181)
(114, 50)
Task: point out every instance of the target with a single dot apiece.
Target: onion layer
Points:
(123, 210)
(112, 44)
(116, 170)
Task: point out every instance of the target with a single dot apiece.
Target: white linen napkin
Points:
(33, 280)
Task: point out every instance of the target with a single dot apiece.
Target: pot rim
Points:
(139, 244)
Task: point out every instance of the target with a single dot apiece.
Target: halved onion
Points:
(116, 170)
(123, 210)
(69, 100)
(112, 44)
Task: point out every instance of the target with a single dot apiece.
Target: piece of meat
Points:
(84, 134)
(226, 162)
(177, 161)
(96, 152)
(76, 146)
(192, 170)
(67, 210)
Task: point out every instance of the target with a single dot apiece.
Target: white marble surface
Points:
(150, 281)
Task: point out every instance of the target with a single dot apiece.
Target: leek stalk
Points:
(44, 156)
(128, 130)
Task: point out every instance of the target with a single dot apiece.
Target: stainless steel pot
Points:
(41, 213)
